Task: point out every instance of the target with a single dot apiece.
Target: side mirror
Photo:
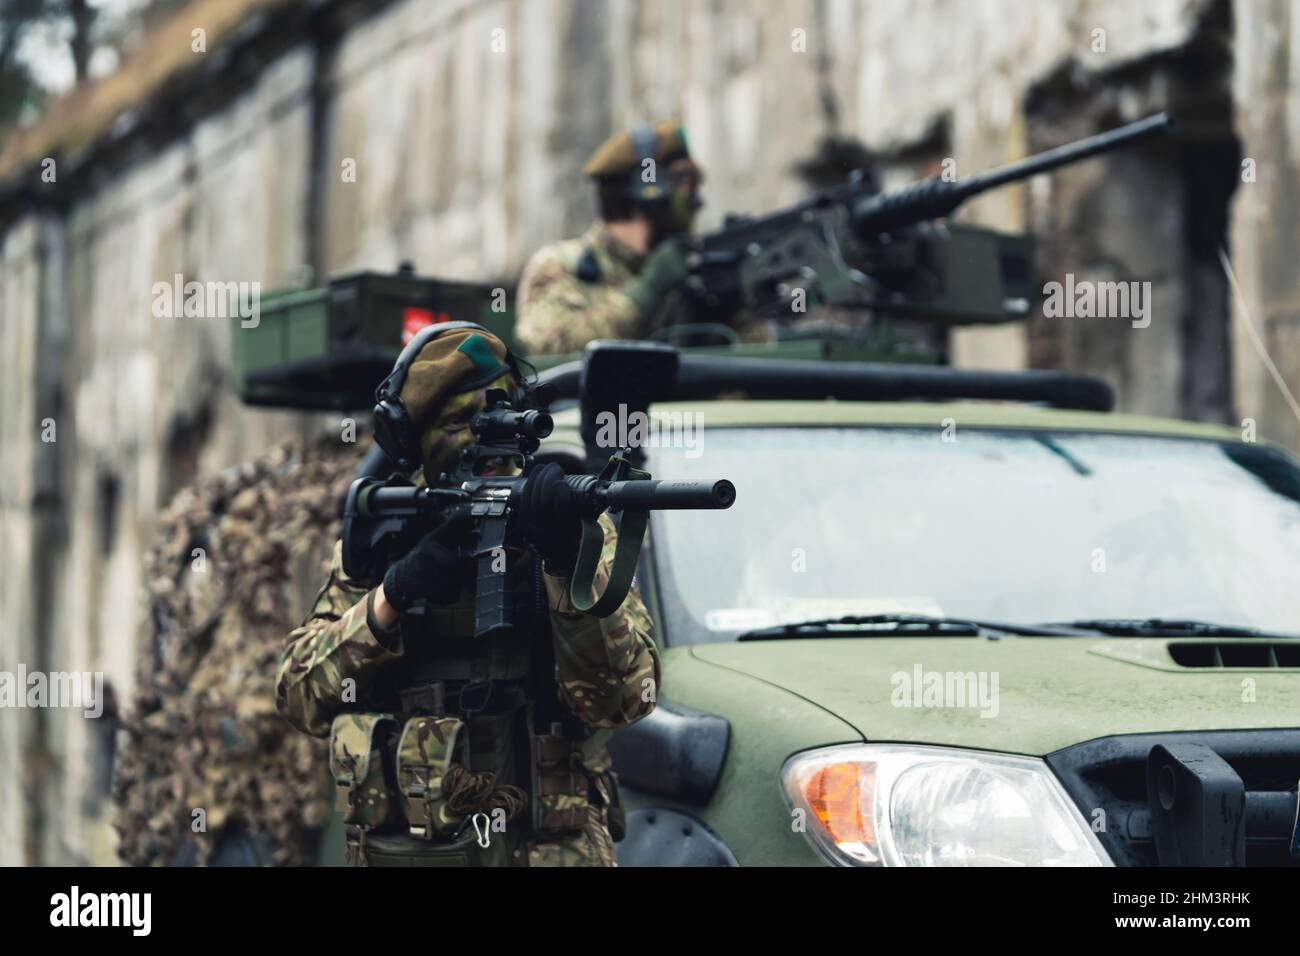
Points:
(620, 378)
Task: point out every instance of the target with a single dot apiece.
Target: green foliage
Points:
(83, 25)
(18, 89)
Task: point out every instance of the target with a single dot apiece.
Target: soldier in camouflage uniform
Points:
(452, 750)
(617, 281)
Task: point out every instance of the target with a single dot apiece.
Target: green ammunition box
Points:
(327, 348)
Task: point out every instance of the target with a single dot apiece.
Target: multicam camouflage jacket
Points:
(560, 310)
(606, 673)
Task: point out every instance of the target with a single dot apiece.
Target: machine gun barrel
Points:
(934, 198)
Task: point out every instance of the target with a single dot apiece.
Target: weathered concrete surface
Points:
(140, 404)
(1266, 217)
(467, 158)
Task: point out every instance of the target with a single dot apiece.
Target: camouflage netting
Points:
(202, 732)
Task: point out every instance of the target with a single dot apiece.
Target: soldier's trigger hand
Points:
(432, 570)
(692, 250)
(669, 261)
(665, 268)
(549, 519)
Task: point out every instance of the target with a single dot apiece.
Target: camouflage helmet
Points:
(433, 371)
(461, 361)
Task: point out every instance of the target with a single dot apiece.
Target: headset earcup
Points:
(393, 435)
(645, 144)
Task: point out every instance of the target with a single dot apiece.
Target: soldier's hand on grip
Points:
(432, 570)
(666, 267)
(550, 520)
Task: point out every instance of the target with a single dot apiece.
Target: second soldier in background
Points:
(617, 281)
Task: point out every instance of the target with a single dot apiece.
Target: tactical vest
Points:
(467, 754)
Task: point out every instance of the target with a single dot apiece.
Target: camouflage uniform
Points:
(606, 672)
(561, 312)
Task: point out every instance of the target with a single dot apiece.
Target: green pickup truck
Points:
(933, 631)
(953, 618)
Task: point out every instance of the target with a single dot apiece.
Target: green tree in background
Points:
(85, 26)
(18, 88)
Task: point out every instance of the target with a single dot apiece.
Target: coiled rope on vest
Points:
(469, 792)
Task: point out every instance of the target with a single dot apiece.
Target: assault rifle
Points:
(384, 518)
(850, 248)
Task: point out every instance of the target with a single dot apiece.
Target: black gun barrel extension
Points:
(934, 198)
(373, 499)
(666, 495)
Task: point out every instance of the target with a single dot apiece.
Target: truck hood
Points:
(1020, 695)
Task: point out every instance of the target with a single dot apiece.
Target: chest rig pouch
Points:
(364, 792)
(471, 722)
(407, 799)
(424, 755)
(443, 758)
(559, 782)
(438, 833)
(566, 789)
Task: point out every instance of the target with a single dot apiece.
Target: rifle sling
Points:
(631, 532)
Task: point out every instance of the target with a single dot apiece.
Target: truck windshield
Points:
(1015, 526)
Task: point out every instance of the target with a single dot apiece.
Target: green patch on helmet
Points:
(478, 351)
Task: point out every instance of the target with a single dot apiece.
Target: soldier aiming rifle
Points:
(480, 634)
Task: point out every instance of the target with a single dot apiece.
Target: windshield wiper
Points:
(893, 625)
(1166, 627)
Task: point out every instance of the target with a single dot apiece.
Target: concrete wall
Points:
(1266, 217)
(466, 160)
(28, 509)
(140, 405)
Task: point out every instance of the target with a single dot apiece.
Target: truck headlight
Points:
(899, 805)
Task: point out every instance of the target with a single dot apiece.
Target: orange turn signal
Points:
(840, 796)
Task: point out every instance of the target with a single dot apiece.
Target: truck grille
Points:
(1159, 810)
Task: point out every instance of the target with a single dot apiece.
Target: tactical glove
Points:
(432, 570)
(550, 520)
(664, 270)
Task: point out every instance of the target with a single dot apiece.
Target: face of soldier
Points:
(684, 201)
(449, 434)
